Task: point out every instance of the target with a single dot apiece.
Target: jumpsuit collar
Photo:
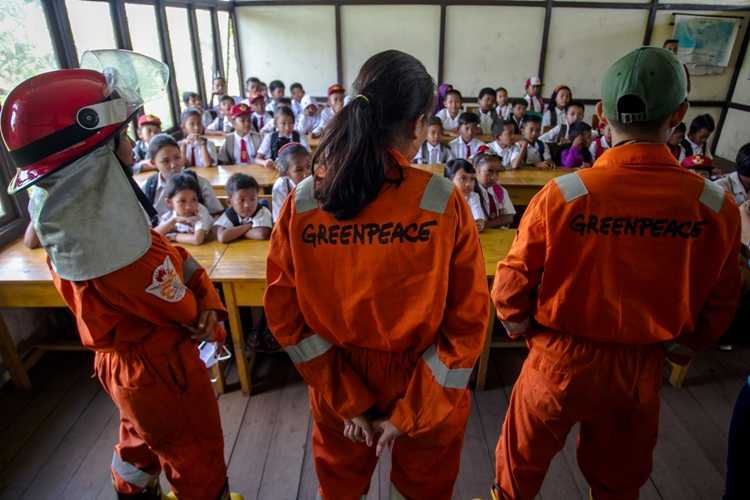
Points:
(638, 154)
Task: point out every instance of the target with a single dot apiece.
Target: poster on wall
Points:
(705, 42)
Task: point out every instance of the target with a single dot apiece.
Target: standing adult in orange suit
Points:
(140, 303)
(377, 291)
(614, 268)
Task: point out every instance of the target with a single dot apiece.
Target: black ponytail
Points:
(392, 90)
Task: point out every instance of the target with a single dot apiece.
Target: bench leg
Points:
(238, 339)
(484, 357)
(678, 373)
(11, 359)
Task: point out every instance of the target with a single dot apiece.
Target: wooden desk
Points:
(522, 184)
(26, 283)
(218, 176)
(434, 168)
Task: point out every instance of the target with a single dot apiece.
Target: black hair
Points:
(520, 101)
(159, 142)
(435, 121)
(531, 118)
(219, 77)
(284, 101)
(575, 104)
(453, 166)
(468, 117)
(485, 158)
(499, 127)
(276, 84)
(743, 160)
(184, 181)
(287, 152)
(354, 149)
(296, 85)
(240, 181)
(454, 92)
(501, 88)
(186, 96)
(188, 113)
(226, 98)
(633, 104)
(701, 122)
(284, 111)
(680, 128)
(250, 80)
(486, 91)
(578, 128)
(552, 105)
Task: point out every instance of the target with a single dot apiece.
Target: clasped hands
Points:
(362, 429)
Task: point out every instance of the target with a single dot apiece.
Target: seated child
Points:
(168, 161)
(495, 201)
(239, 146)
(284, 134)
(252, 88)
(464, 177)
(193, 100)
(487, 114)
(261, 119)
(560, 133)
(196, 149)
(451, 112)
(433, 151)
(335, 103)
(577, 153)
(466, 146)
(293, 164)
(601, 143)
(148, 126)
(533, 97)
(278, 89)
(696, 142)
(223, 121)
(187, 220)
(309, 118)
(517, 115)
(738, 182)
(298, 92)
(245, 217)
(558, 103)
(675, 139)
(502, 146)
(530, 150)
(503, 108)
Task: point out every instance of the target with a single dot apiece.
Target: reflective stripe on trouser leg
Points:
(395, 495)
(130, 473)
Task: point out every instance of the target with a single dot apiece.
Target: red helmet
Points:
(54, 118)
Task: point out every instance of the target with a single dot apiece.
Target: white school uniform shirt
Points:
(731, 184)
(503, 208)
(265, 145)
(202, 221)
(213, 153)
(486, 120)
(281, 189)
(307, 124)
(296, 107)
(697, 150)
(547, 118)
(449, 122)
(251, 153)
(504, 111)
(553, 134)
(458, 148)
(261, 218)
(533, 155)
(325, 117)
(266, 120)
(476, 206)
(604, 143)
(504, 152)
(536, 104)
(207, 191)
(221, 124)
(433, 154)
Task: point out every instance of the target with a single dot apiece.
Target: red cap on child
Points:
(239, 110)
(336, 89)
(697, 161)
(149, 120)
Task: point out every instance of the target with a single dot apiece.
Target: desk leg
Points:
(484, 357)
(238, 338)
(11, 359)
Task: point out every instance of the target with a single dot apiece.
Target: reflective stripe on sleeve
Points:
(516, 327)
(308, 349)
(712, 195)
(130, 473)
(455, 378)
(571, 186)
(436, 194)
(304, 196)
(188, 269)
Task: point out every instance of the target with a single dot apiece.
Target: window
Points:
(228, 53)
(182, 55)
(83, 16)
(205, 34)
(25, 45)
(145, 38)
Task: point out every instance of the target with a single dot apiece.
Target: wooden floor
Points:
(56, 442)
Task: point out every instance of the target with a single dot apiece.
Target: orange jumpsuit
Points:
(147, 363)
(610, 265)
(384, 312)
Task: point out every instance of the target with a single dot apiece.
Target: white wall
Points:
(734, 134)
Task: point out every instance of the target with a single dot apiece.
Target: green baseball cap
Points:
(650, 75)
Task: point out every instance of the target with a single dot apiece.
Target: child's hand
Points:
(388, 434)
(480, 225)
(269, 164)
(359, 430)
(523, 144)
(578, 142)
(205, 328)
(191, 138)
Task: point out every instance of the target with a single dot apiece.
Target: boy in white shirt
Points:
(278, 89)
(574, 112)
(530, 150)
(222, 122)
(298, 92)
(466, 146)
(451, 112)
(336, 95)
(533, 95)
(245, 217)
(518, 113)
(293, 164)
(261, 119)
(503, 107)
(495, 199)
(502, 146)
(433, 151)
(463, 175)
(738, 182)
(696, 140)
(309, 119)
(239, 147)
(487, 114)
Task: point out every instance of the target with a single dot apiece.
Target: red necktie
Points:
(468, 150)
(493, 205)
(243, 151)
(192, 156)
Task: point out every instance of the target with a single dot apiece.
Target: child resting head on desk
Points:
(245, 217)
(187, 220)
(293, 164)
